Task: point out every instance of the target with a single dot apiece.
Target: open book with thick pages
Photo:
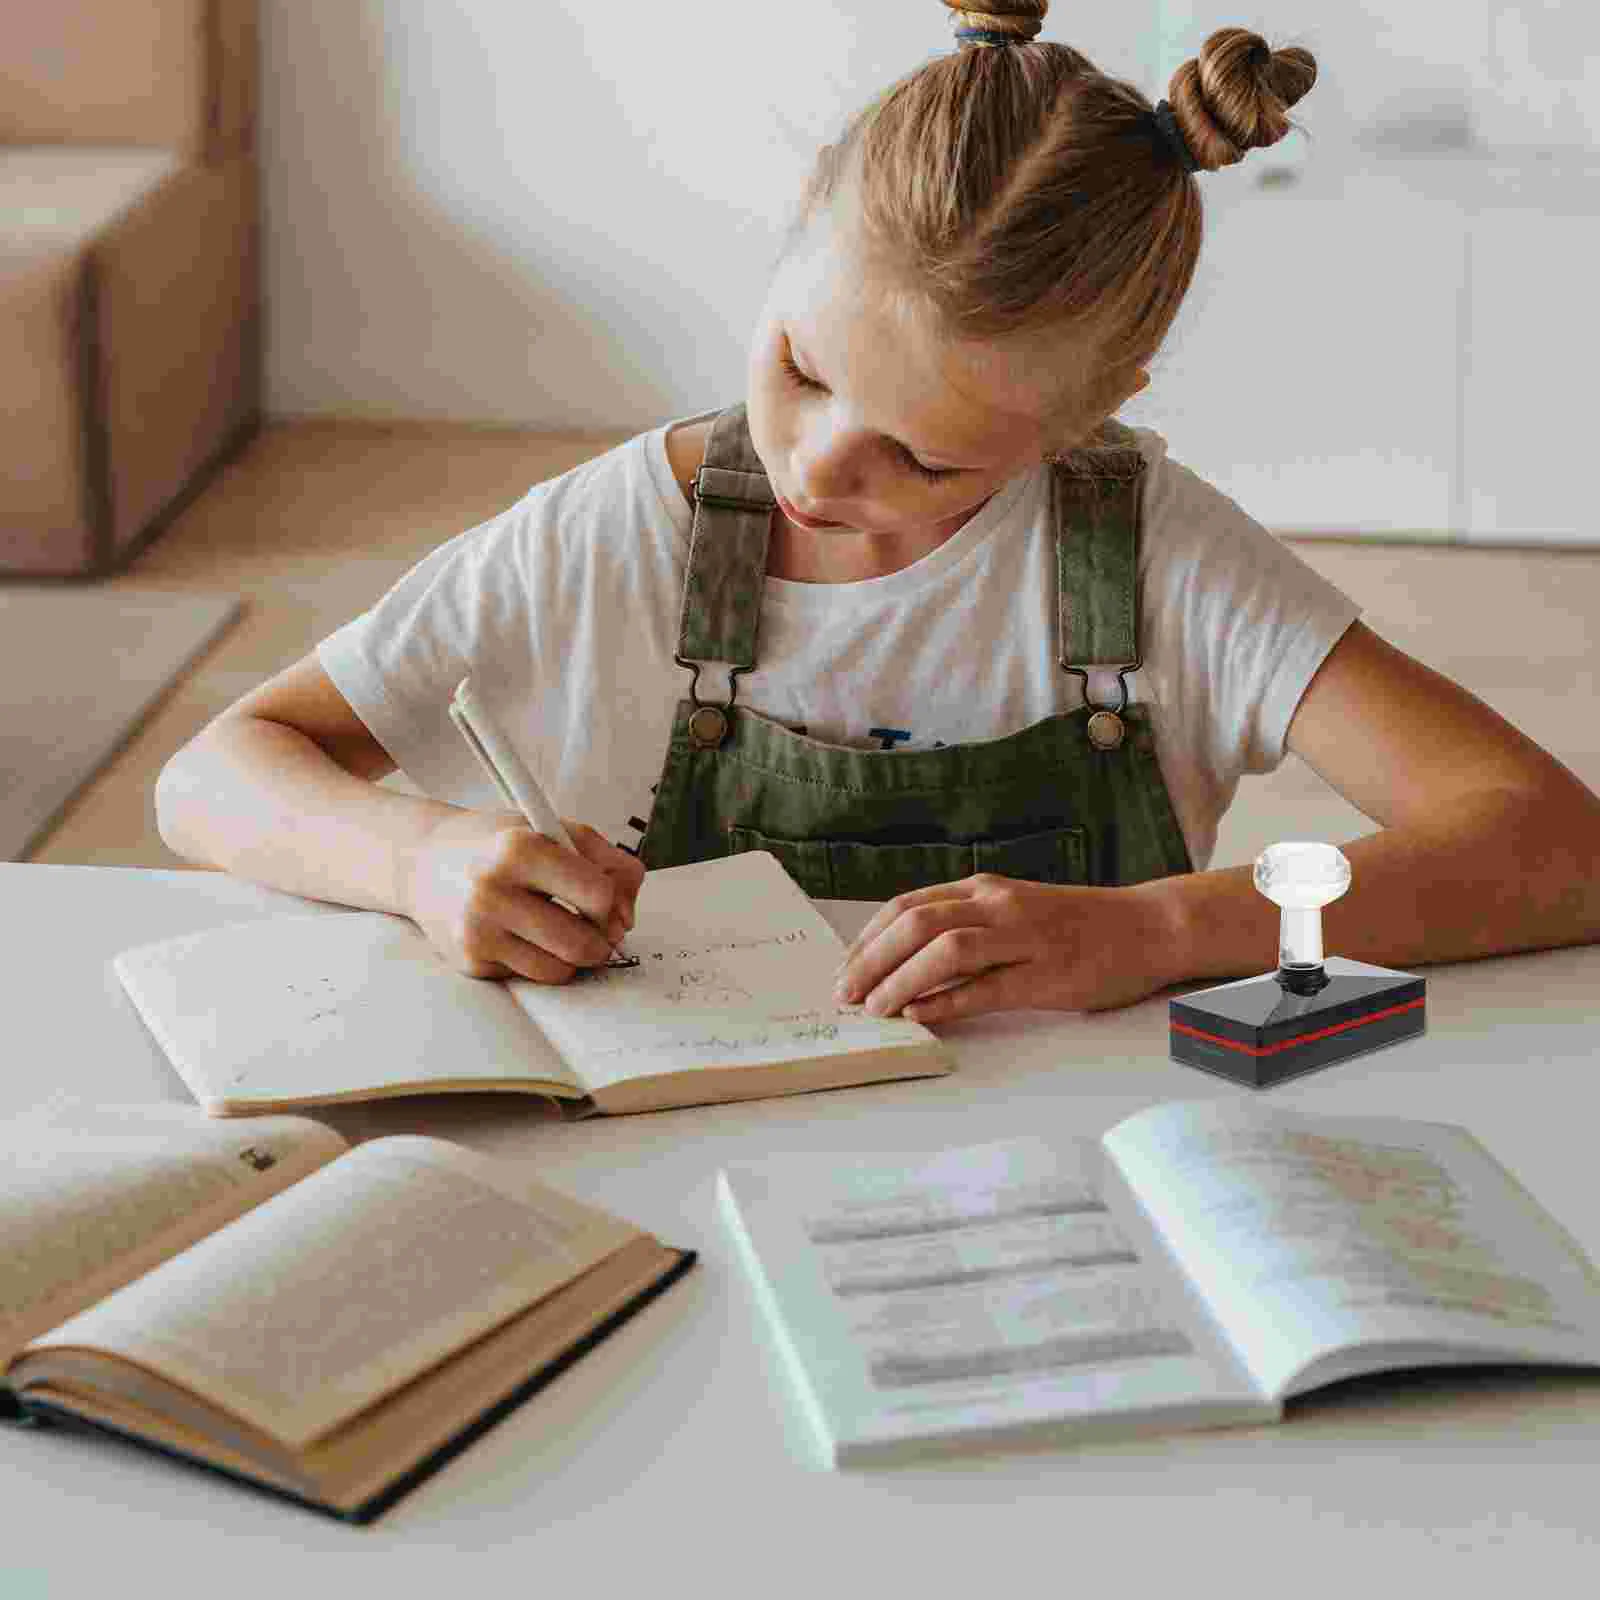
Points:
(327, 1323)
(731, 999)
(1198, 1267)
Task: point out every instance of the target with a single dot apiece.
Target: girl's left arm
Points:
(1487, 844)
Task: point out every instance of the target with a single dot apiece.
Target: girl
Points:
(918, 616)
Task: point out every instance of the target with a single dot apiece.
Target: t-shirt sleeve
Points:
(399, 662)
(1238, 623)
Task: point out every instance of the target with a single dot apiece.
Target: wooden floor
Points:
(312, 521)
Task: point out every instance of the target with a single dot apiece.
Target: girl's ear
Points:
(1116, 388)
(1127, 385)
(1115, 391)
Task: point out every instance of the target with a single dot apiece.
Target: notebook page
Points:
(736, 968)
(317, 1007)
(1314, 1234)
(964, 1294)
(308, 1309)
(83, 1212)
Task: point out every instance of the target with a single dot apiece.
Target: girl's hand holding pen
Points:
(503, 907)
(480, 886)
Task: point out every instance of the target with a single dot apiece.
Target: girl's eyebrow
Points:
(934, 457)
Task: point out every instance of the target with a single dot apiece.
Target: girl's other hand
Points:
(480, 885)
(1003, 944)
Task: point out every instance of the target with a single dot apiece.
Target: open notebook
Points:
(1203, 1264)
(732, 999)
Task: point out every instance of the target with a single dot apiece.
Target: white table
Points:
(671, 1460)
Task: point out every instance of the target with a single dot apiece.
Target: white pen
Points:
(517, 785)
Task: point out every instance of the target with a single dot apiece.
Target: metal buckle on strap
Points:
(719, 486)
(1105, 728)
(709, 722)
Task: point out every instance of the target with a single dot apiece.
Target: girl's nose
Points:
(833, 465)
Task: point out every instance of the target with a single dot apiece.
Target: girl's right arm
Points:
(282, 789)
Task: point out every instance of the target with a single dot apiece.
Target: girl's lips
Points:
(802, 521)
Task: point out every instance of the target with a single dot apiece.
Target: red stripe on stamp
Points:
(1304, 1038)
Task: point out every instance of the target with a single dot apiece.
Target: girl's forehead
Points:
(871, 338)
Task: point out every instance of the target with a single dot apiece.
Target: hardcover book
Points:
(330, 1324)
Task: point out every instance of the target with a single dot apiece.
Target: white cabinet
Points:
(1313, 374)
(1532, 360)
(1405, 348)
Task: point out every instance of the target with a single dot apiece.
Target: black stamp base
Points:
(1258, 1032)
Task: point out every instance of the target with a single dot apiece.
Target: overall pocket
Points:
(844, 869)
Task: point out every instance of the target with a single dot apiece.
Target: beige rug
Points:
(80, 668)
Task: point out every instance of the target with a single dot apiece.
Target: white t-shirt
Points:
(564, 609)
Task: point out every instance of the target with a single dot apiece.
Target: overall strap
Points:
(1097, 494)
(733, 505)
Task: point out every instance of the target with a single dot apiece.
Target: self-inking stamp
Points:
(1312, 1011)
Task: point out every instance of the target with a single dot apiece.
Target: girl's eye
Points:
(932, 474)
(796, 375)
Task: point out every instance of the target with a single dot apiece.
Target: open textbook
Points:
(1199, 1266)
(327, 1323)
(731, 998)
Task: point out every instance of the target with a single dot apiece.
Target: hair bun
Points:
(1018, 20)
(1235, 96)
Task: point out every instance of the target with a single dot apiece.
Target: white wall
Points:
(559, 214)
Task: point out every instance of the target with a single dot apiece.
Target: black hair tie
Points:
(1166, 121)
(986, 36)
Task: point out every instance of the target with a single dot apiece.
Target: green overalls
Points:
(1075, 798)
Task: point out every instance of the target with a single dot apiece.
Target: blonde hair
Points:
(1010, 188)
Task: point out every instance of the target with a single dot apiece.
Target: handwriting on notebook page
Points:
(713, 974)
